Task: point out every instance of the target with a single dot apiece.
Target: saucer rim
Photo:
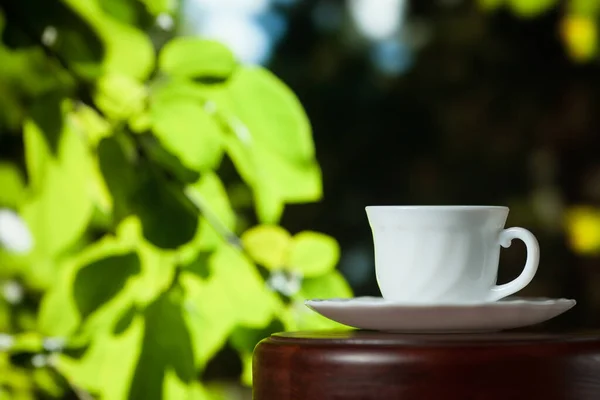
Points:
(380, 301)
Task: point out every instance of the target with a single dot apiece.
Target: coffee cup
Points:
(445, 254)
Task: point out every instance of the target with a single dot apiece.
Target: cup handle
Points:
(531, 265)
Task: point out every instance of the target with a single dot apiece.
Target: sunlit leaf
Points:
(271, 143)
(272, 114)
(210, 315)
(211, 194)
(12, 185)
(59, 212)
(48, 381)
(583, 228)
(157, 7)
(158, 265)
(125, 11)
(583, 7)
(300, 317)
(580, 34)
(119, 96)
(166, 345)
(218, 218)
(295, 182)
(113, 273)
(313, 253)
(97, 371)
(128, 51)
(268, 245)
(331, 285)
(242, 285)
(192, 57)
(185, 129)
(531, 8)
(59, 314)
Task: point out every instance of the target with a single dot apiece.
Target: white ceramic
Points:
(375, 313)
(442, 254)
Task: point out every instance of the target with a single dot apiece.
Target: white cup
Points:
(445, 254)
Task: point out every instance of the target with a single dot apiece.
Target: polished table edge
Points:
(347, 337)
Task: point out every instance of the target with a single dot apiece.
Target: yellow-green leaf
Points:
(192, 57)
(61, 207)
(218, 217)
(186, 130)
(12, 185)
(210, 315)
(242, 285)
(313, 253)
(531, 8)
(580, 34)
(331, 285)
(119, 96)
(272, 113)
(582, 224)
(127, 50)
(268, 245)
(97, 371)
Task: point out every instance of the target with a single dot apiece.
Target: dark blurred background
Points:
(447, 102)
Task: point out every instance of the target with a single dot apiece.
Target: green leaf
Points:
(271, 146)
(59, 314)
(243, 286)
(211, 195)
(299, 317)
(218, 217)
(166, 160)
(157, 7)
(272, 114)
(331, 285)
(97, 371)
(174, 388)
(268, 245)
(185, 129)
(12, 185)
(313, 253)
(98, 282)
(76, 41)
(531, 8)
(168, 218)
(192, 57)
(128, 50)
(116, 164)
(47, 113)
(584, 7)
(210, 315)
(125, 321)
(167, 344)
(58, 213)
(119, 96)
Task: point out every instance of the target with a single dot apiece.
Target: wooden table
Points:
(353, 365)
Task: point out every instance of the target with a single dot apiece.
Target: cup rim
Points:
(436, 208)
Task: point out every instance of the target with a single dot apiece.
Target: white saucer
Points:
(375, 313)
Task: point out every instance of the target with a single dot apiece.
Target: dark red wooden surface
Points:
(353, 365)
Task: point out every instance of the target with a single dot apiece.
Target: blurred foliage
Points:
(152, 175)
(578, 28)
